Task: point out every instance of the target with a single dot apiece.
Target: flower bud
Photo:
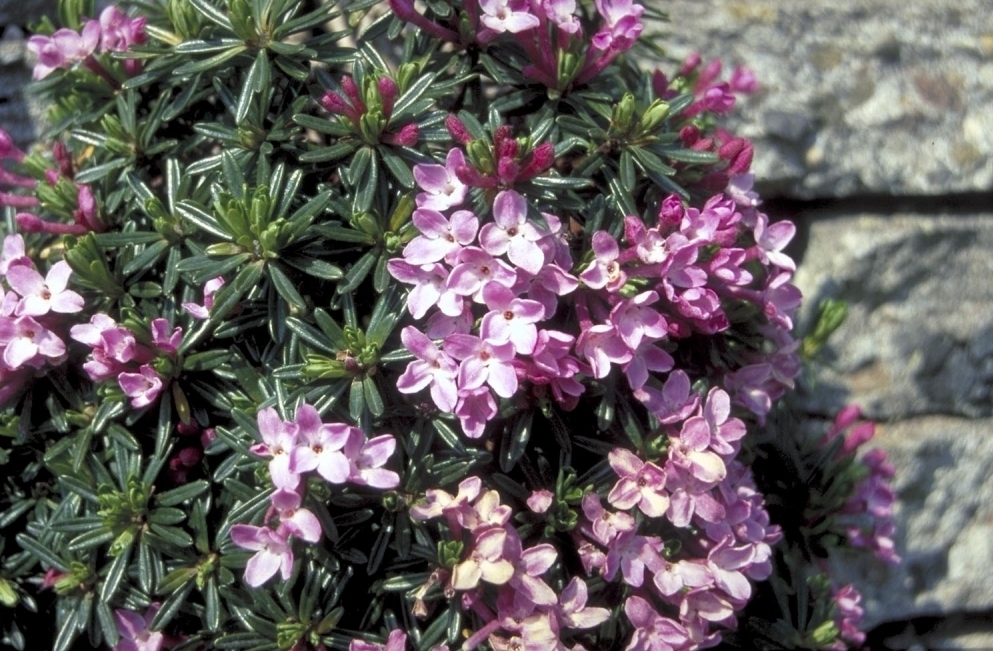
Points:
(406, 137)
(623, 113)
(352, 92)
(457, 130)
(654, 115)
(388, 94)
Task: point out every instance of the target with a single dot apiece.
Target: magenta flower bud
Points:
(86, 213)
(337, 105)
(33, 224)
(846, 417)
(738, 152)
(352, 92)
(671, 212)
(406, 137)
(690, 64)
(507, 170)
(17, 200)
(388, 93)
(9, 178)
(8, 149)
(660, 84)
(503, 142)
(540, 159)
(457, 130)
(63, 159)
(689, 135)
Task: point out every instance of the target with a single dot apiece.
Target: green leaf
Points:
(209, 63)
(212, 13)
(286, 288)
(327, 154)
(182, 493)
(358, 272)
(114, 576)
(311, 336)
(43, 553)
(322, 125)
(202, 219)
(397, 167)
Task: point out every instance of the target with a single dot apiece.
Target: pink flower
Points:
(13, 253)
(605, 270)
(27, 342)
(41, 295)
(475, 269)
(483, 362)
(63, 49)
(602, 346)
(434, 367)
(142, 387)
(273, 552)
(167, 342)
(635, 321)
(641, 483)
(512, 233)
(510, 319)
(397, 641)
(653, 632)
(771, 239)
(507, 16)
(441, 185)
(440, 238)
(209, 289)
(298, 522)
(572, 609)
(320, 447)
(430, 288)
(133, 629)
(119, 31)
(606, 525)
(476, 408)
(532, 563)
(540, 501)
(279, 440)
(486, 562)
(367, 459)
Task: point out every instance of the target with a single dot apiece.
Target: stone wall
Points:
(874, 132)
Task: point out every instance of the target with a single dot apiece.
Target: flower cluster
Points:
(368, 112)
(31, 322)
(337, 453)
(867, 517)
(141, 363)
(550, 31)
(483, 549)
(113, 31)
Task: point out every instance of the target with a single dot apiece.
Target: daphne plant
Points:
(365, 325)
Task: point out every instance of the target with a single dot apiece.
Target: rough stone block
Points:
(859, 96)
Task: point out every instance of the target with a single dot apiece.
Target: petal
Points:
(246, 536)
(24, 280)
(67, 302)
(625, 463)
(261, 567)
(58, 276)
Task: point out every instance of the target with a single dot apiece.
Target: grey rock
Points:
(945, 523)
(19, 116)
(24, 12)
(859, 96)
(919, 336)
